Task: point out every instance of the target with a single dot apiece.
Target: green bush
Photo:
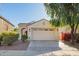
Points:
(9, 38)
(24, 38)
(1, 38)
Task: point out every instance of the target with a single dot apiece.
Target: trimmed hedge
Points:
(8, 38)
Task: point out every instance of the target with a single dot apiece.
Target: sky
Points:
(23, 13)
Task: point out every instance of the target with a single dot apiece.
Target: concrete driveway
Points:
(43, 48)
(38, 47)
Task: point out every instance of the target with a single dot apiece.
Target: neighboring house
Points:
(5, 25)
(39, 30)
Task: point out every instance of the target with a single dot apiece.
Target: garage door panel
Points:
(43, 35)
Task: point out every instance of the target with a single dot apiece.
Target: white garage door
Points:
(44, 34)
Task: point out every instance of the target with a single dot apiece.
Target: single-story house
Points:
(39, 30)
(5, 25)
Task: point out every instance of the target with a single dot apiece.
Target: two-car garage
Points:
(44, 34)
(42, 30)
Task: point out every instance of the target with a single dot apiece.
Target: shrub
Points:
(65, 36)
(24, 38)
(1, 38)
(9, 38)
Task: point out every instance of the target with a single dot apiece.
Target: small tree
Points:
(64, 14)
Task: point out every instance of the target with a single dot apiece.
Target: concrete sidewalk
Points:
(39, 53)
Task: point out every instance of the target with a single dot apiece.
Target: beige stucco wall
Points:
(3, 24)
(40, 24)
(10, 27)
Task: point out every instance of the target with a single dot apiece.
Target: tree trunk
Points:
(72, 35)
(75, 32)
